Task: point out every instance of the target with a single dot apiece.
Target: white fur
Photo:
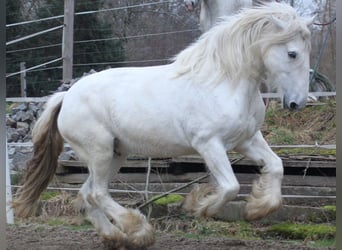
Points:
(213, 10)
(206, 101)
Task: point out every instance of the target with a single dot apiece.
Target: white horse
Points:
(205, 101)
(212, 10)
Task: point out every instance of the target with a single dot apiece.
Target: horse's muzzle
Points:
(294, 104)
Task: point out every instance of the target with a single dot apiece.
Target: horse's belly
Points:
(151, 146)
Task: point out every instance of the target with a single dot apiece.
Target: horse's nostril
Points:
(293, 105)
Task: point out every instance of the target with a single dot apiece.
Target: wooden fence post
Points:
(68, 40)
(9, 210)
(23, 80)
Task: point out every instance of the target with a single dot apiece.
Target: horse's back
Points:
(138, 106)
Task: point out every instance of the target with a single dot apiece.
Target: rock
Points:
(10, 122)
(24, 125)
(34, 107)
(28, 138)
(23, 116)
(11, 151)
(21, 107)
(22, 132)
(31, 115)
(19, 160)
(12, 135)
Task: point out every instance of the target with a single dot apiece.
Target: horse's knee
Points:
(274, 167)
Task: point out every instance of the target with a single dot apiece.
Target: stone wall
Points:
(20, 121)
(19, 124)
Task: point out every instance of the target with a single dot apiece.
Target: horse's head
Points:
(191, 4)
(286, 60)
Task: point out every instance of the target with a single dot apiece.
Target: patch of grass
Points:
(56, 222)
(84, 226)
(281, 136)
(48, 195)
(39, 228)
(303, 231)
(211, 227)
(304, 151)
(190, 236)
(9, 106)
(313, 124)
(16, 178)
(323, 243)
(169, 199)
(331, 208)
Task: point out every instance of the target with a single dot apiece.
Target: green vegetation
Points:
(314, 124)
(305, 151)
(56, 222)
(331, 208)
(169, 199)
(85, 225)
(282, 136)
(8, 107)
(16, 178)
(303, 231)
(200, 228)
(48, 195)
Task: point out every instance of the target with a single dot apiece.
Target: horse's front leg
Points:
(206, 200)
(266, 191)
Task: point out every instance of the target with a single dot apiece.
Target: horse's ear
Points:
(309, 21)
(278, 22)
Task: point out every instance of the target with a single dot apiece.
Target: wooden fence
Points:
(308, 180)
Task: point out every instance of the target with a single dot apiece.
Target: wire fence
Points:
(128, 33)
(43, 58)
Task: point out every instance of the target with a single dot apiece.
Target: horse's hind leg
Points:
(266, 192)
(131, 222)
(113, 221)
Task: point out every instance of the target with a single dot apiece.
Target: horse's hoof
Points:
(195, 201)
(257, 209)
(139, 232)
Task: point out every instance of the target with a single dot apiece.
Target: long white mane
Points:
(230, 49)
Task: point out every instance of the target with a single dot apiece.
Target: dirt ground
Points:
(321, 128)
(38, 237)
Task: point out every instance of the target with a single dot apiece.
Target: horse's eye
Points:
(292, 54)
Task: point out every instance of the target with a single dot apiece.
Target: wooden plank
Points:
(127, 164)
(27, 99)
(70, 163)
(279, 95)
(289, 180)
(287, 191)
(164, 163)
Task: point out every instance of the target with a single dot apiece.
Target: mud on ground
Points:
(38, 237)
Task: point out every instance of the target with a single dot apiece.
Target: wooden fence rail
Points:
(264, 95)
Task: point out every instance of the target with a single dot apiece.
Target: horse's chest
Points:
(241, 127)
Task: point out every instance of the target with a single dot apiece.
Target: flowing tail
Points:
(47, 145)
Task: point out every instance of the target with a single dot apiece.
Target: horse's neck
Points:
(251, 100)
